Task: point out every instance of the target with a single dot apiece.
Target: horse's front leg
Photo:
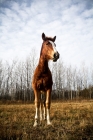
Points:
(37, 107)
(48, 102)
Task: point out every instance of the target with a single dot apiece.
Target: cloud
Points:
(22, 23)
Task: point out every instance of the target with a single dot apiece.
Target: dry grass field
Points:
(70, 121)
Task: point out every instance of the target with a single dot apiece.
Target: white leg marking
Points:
(37, 111)
(36, 117)
(44, 113)
(48, 117)
(41, 111)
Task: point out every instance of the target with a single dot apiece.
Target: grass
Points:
(70, 121)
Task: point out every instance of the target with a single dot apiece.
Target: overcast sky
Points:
(23, 21)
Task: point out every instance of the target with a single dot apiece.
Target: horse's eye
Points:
(47, 43)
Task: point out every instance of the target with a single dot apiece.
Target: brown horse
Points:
(42, 79)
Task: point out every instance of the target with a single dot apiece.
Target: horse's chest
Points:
(45, 82)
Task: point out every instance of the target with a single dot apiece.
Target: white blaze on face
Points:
(54, 46)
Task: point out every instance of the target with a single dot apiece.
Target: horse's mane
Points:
(49, 38)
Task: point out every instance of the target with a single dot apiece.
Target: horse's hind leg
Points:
(41, 111)
(44, 115)
(43, 107)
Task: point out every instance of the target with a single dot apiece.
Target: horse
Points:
(42, 80)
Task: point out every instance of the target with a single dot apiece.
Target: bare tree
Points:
(68, 82)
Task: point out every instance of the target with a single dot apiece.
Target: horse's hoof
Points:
(35, 124)
(49, 123)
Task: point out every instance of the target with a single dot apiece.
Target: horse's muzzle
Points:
(56, 56)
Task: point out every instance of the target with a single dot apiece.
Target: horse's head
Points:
(49, 48)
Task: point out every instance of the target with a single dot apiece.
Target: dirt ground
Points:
(70, 121)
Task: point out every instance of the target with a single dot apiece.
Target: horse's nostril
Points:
(56, 55)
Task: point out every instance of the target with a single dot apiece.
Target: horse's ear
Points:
(43, 36)
(54, 38)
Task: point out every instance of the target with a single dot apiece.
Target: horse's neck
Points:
(43, 63)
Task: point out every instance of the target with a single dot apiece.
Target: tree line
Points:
(68, 82)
